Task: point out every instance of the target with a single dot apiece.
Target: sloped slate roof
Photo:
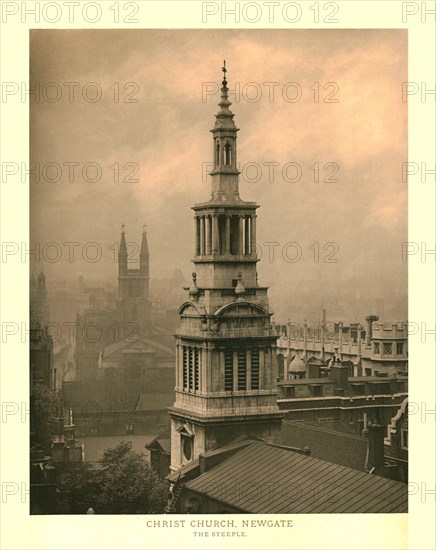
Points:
(266, 479)
(158, 442)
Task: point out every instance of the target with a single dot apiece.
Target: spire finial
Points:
(122, 228)
(144, 228)
(224, 82)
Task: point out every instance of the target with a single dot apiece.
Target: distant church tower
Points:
(39, 306)
(226, 370)
(133, 292)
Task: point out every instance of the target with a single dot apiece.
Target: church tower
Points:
(133, 291)
(39, 305)
(226, 371)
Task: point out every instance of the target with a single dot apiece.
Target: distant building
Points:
(66, 448)
(338, 441)
(119, 354)
(99, 326)
(96, 328)
(380, 348)
(397, 439)
(41, 358)
(39, 306)
(133, 292)
(356, 401)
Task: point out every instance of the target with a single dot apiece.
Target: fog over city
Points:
(331, 224)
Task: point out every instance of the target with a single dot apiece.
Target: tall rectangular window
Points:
(191, 370)
(242, 370)
(196, 369)
(228, 371)
(185, 368)
(255, 369)
(400, 348)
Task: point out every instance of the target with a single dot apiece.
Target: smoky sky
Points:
(323, 135)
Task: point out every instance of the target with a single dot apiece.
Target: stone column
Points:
(253, 234)
(215, 235)
(200, 366)
(241, 236)
(266, 368)
(202, 235)
(227, 236)
(274, 367)
(261, 369)
(205, 375)
(179, 366)
(209, 235)
(197, 236)
(247, 243)
(222, 374)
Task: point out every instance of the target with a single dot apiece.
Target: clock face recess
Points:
(187, 448)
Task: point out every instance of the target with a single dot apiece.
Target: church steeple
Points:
(122, 254)
(226, 367)
(133, 290)
(144, 256)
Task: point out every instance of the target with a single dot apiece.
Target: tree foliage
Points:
(125, 484)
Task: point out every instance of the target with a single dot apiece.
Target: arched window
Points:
(217, 158)
(228, 150)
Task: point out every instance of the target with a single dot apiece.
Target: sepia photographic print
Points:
(271, 376)
(219, 286)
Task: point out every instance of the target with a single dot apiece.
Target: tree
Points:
(80, 485)
(128, 484)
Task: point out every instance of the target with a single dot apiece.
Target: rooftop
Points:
(267, 479)
(351, 380)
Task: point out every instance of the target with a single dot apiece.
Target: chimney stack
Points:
(339, 373)
(369, 320)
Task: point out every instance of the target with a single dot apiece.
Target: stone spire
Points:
(122, 254)
(225, 174)
(144, 253)
(224, 117)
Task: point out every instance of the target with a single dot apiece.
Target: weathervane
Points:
(224, 69)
